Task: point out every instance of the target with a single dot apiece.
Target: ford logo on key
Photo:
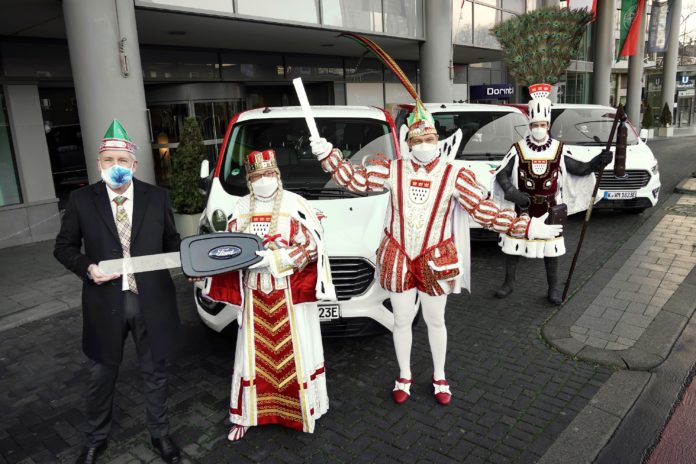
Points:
(224, 252)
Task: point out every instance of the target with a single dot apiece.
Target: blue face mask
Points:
(117, 176)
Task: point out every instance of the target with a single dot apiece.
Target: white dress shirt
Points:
(128, 205)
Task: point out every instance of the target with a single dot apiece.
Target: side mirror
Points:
(204, 180)
(644, 133)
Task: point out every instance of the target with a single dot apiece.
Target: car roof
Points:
(562, 106)
(338, 111)
(469, 107)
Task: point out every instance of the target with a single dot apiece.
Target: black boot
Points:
(510, 272)
(554, 295)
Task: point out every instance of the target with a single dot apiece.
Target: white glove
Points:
(265, 261)
(539, 230)
(321, 148)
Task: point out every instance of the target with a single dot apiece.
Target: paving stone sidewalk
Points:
(622, 311)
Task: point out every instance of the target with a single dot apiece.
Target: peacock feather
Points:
(539, 45)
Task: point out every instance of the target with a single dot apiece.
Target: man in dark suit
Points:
(122, 217)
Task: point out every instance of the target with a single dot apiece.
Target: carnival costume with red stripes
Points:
(279, 373)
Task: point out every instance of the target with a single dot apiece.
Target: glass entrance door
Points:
(167, 121)
(684, 110)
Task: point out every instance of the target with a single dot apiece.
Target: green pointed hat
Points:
(420, 121)
(116, 138)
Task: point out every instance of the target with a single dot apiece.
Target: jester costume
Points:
(424, 249)
(279, 373)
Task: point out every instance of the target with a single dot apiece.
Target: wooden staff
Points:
(620, 116)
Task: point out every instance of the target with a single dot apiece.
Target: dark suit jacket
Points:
(89, 220)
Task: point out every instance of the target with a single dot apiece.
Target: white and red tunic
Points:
(419, 249)
(279, 373)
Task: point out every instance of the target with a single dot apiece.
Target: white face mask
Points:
(264, 187)
(424, 153)
(539, 133)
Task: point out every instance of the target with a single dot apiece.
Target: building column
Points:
(604, 56)
(436, 53)
(94, 31)
(669, 66)
(635, 75)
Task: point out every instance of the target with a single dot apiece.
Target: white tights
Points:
(405, 311)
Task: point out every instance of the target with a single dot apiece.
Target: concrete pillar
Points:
(436, 53)
(669, 70)
(29, 140)
(635, 75)
(604, 48)
(94, 30)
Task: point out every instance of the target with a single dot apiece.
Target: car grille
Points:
(351, 276)
(634, 179)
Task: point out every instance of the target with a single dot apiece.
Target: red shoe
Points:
(443, 395)
(402, 390)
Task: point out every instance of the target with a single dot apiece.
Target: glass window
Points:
(41, 60)
(463, 20)
(479, 76)
(304, 11)
(367, 94)
(252, 66)
(365, 15)
(221, 6)
(410, 68)
(363, 70)
(485, 19)
(518, 6)
(325, 67)
(64, 140)
(485, 135)
(582, 126)
(176, 65)
(9, 185)
(460, 74)
(167, 121)
(404, 17)
(300, 170)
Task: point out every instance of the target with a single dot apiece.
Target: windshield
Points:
(486, 135)
(299, 169)
(585, 126)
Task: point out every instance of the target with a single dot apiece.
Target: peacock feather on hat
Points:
(539, 45)
(420, 121)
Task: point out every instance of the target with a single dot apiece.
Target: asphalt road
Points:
(513, 394)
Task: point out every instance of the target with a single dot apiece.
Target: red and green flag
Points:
(631, 12)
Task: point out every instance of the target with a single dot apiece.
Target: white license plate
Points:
(329, 312)
(619, 195)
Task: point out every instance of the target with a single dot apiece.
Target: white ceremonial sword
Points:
(306, 108)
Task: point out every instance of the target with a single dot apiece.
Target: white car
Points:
(585, 129)
(488, 132)
(353, 223)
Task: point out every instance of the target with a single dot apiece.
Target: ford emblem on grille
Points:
(224, 252)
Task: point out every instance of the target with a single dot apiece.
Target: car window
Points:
(289, 137)
(486, 135)
(585, 126)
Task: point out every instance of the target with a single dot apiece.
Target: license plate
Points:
(329, 312)
(619, 195)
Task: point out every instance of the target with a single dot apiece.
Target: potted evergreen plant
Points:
(666, 129)
(648, 122)
(187, 200)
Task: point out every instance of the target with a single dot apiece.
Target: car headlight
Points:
(219, 220)
(654, 169)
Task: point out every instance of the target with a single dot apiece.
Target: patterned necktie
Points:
(124, 234)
